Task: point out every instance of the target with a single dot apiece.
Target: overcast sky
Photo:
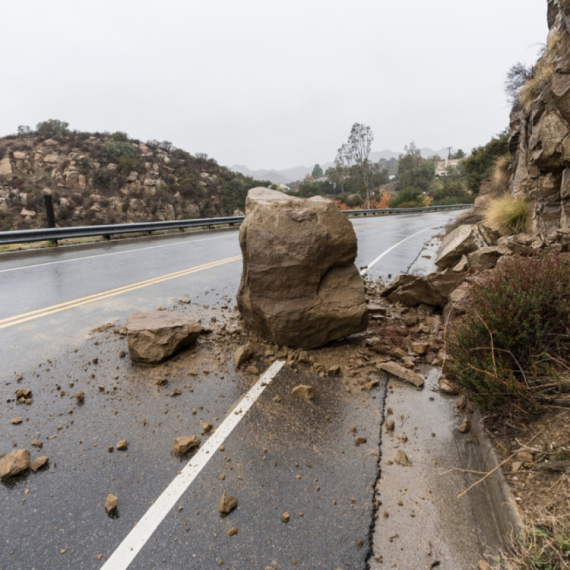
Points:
(267, 83)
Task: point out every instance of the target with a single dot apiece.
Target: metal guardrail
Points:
(52, 234)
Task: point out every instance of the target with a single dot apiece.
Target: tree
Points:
(354, 155)
(52, 128)
(24, 130)
(317, 171)
(517, 76)
(479, 165)
(458, 154)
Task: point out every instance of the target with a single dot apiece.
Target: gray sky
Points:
(267, 83)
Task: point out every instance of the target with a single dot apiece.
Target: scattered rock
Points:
(447, 387)
(333, 370)
(360, 440)
(464, 426)
(153, 337)
(484, 258)
(233, 531)
(525, 456)
(390, 425)
(15, 463)
(420, 347)
(80, 397)
(185, 443)
(16, 421)
(402, 373)
(39, 462)
(243, 354)
(285, 517)
(23, 394)
(461, 241)
(36, 443)
(304, 392)
(299, 286)
(482, 565)
(111, 503)
(206, 426)
(122, 445)
(401, 458)
(227, 504)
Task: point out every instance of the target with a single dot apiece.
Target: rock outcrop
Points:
(153, 337)
(539, 138)
(299, 287)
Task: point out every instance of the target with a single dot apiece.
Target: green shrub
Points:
(120, 136)
(506, 350)
(119, 149)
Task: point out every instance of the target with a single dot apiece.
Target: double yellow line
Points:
(19, 319)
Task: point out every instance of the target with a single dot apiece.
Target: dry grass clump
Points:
(536, 84)
(507, 214)
(500, 174)
(543, 546)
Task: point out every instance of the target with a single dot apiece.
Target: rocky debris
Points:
(153, 337)
(333, 370)
(39, 462)
(482, 565)
(122, 445)
(185, 443)
(15, 463)
(285, 517)
(464, 426)
(401, 458)
(80, 397)
(462, 264)
(461, 241)
(17, 420)
(206, 426)
(36, 443)
(227, 504)
(390, 425)
(304, 392)
(24, 396)
(111, 503)
(299, 286)
(402, 373)
(360, 440)
(447, 387)
(433, 289)
(233, 531)
(243, 354)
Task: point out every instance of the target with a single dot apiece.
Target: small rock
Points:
(80, 397)
(23, 393)
(390, 425)
(402, 373)
(369, 385)
(285, 517)
(185, 443)
(243, 354)
(122, 353)
(304, 392)
(37, 443)
(16, 462)
(206, 427)
(482, 565)
(516, 466)
(447, 387)
(16, 421)
(333, 370)
(232, 531)
(525, 456)
(122, 445)
(420, 347)
(39, 462)
(227, 504)
(111, 503)
(401, 458)
(464, 426)
(461, 402)
(360, 440)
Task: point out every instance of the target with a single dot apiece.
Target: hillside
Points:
(106, 178)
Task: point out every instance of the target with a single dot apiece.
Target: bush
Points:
(505, 351)
(52, 128)
(120, 136)
(119, 149)
(479, 166)
(507, 214)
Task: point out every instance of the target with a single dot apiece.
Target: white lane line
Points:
(134, 250)
(144, 529)
(364, 271)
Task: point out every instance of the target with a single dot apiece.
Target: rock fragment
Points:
(80, 397)
(122, 445)
(111, 503)
(233, 531)
(15, 463)
(464, 426)
(402, 373)
(401, 458)
(360, 440)
(16, 421)
(39, 462)
(227, 504)
(304, 392)
(285, 517)
(185, 443)
(447, 387)
(243, 354)
(154, 336)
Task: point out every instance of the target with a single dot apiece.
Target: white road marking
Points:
(364, 271)
(144, 529)
(112, 253)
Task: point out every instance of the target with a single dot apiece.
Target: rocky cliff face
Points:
(103, 179)
(540, 130)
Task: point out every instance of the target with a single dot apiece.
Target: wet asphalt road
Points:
(281, 457)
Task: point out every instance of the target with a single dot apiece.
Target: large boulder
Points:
(299, 286)
(461, 241)
(153, 337)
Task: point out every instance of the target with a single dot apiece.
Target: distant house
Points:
(442, 166)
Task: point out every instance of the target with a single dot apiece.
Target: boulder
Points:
(484, 258)
(433, 289)
(461, 241)
(5, 166)
(153, 337)
(299, 286)
(15, 463)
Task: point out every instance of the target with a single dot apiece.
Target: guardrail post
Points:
(50, 215)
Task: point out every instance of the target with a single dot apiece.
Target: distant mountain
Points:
(288, 175)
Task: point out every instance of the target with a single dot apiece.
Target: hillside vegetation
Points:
(102, 178)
